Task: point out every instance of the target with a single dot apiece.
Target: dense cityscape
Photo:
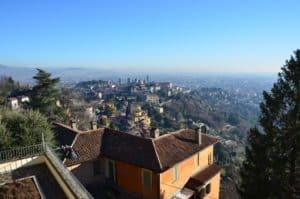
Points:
(136, 106)
(149, 99)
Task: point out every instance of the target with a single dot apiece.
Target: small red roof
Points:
(202, 177)
(12, 98)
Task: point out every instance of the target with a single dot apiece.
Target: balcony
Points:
(39, 161)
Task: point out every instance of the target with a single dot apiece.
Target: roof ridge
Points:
(93, 130)
(127, 134)
(87, 132)
(75, 139)
(156, 155)
(170, 133)
(67, 127)
(210, 136)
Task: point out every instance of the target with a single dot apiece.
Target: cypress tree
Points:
(272, 165)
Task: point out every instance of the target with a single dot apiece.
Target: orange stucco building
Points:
(177, 165)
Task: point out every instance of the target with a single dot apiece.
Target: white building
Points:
(159, 109)
(13, 103)
(100, 95)
(152, 98)
(24, 99)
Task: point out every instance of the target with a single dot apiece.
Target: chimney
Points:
(73, 124)
(154, 133)
(203, 129)
(198, 135)
(93, 125)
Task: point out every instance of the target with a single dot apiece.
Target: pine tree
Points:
(45, 95)
(276, 152)
(254, 173)
(8, 85)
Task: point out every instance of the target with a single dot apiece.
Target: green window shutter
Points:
(176, 173)
(147, 178)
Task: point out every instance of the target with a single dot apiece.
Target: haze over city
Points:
(160, 99)
(142, 36)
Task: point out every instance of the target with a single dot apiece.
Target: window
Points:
(147, 178)
(197, 160)
(208, 188)
(176, 173)
(111, 170)
(97, 167)
(209, 159)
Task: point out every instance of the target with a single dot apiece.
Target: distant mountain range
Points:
(22, 74)
(74, 74)
(78, 74)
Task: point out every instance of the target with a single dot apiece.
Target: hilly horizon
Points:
(77, 74)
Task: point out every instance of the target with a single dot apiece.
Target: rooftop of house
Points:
(36, 172)
(156, 154)
(87, 146)
(23, 188)
(27, 188)
(201, 178)
(12, 99)
(65, 134)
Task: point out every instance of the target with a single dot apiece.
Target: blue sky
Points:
(161, 35)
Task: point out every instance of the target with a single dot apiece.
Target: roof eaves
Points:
(67, 127)
(75, 139)
(156, 155)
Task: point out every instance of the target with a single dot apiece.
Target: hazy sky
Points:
(176, 35)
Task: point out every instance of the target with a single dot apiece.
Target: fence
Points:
(43, 149)
(21, 153)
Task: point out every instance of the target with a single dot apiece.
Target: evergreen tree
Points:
(23, 129)
(5, 138)
(45, 95)
(8, 85)
(113, 126)
(272, 165)
(103, 121)
(254, 173)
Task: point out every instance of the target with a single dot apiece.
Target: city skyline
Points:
(144, 36)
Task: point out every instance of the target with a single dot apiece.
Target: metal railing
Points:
(21, 152)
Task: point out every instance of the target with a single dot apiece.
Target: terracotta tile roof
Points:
(177, 146)
(154, 154)
(12, 98)
(199, 179)
(65, 135)
(87, 146)
(129, 148)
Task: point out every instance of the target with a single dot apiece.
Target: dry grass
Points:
(20, 190)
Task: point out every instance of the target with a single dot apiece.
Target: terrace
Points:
(36, 172)
(22, 188)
